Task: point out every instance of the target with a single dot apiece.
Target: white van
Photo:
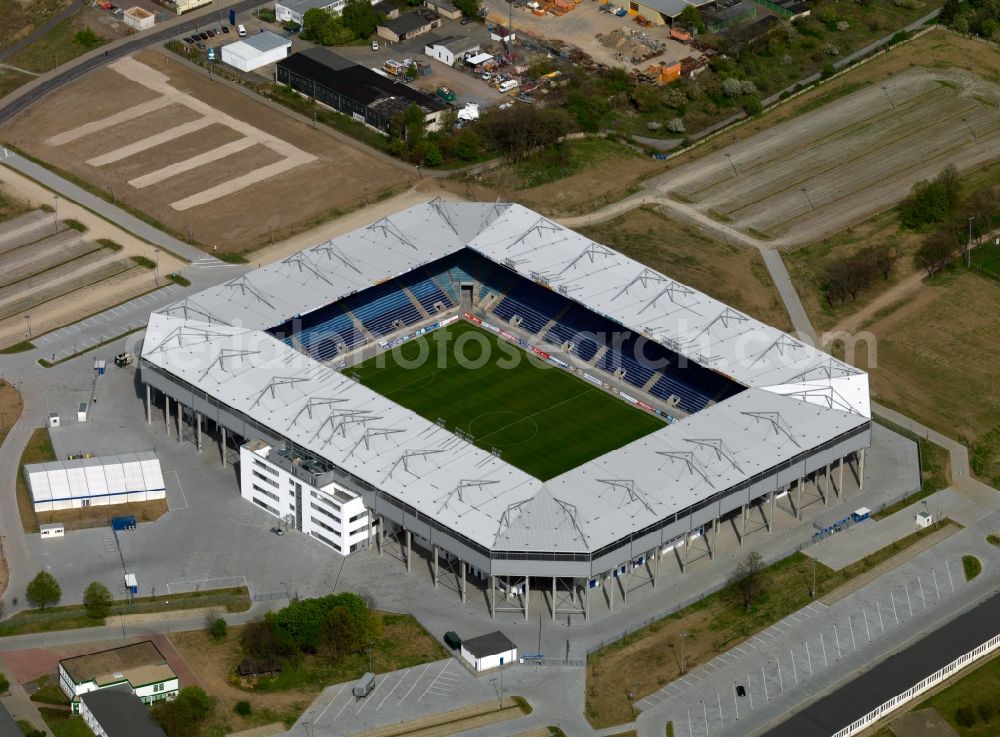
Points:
(241, 30)
(507, 86)
(374, 45)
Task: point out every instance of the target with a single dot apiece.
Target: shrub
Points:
(86, 38)
(97, 600)
(242, 708)
(827, 71)
(218, 629)
(4, 684)
(965, 716)
(675, 125)
(753, 106)
(986, 710)
(843, 25)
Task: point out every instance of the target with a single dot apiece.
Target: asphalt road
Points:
(140, 41)
(896, 674)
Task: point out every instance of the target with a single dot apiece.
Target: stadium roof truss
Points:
(797, 397)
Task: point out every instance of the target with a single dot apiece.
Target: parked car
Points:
(203, 36)
(225, 29)
(200, 46)
(466, 21)
(211, 33)
(188, 40)
(277, 531)
(241, 31)
(487, 76)
(374, 45)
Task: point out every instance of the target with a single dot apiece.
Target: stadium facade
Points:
(750, 413)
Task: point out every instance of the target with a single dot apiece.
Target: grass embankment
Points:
(57, 716)
(74, 616)
(10, 408)
(649, 658)
(10, 206)
(404, 644)
(970, 704)
(503, 398)
(935, 468)
(66, 41)
(732, 275)
(38, 450)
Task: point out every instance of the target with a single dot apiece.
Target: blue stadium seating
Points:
(534, 304)
(426, 290)
(625, 353)
(586, 330)
(321, 340)
(377, 308)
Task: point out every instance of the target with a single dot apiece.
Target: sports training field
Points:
(543, 420)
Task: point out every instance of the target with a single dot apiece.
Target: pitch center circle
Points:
(503, 428)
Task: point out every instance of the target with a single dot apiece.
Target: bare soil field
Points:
(938, 355)
(832, 166)
(733, 275)
(113, 130)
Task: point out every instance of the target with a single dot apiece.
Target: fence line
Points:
(929, 682)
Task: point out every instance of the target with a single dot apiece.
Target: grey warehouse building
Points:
(264, 356)
(354, 90)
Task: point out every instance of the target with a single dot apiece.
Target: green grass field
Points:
(542, 419)
(987, 258)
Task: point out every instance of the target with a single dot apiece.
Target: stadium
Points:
(526, 407)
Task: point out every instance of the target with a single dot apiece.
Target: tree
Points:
(927, 203)
(746, 578)
(691, 18)
(43, 590)
(314, 24)
(361, 17)
(883, 258)
(984, 206)
(936, 252)
(183, 716)
(469, 8)
(4, 684)
(263, 639)
(97, 600)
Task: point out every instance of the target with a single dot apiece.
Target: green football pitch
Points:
(541, 418)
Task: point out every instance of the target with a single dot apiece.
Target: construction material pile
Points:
(632, 46)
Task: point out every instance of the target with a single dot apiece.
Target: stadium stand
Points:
(379, 307)
(382, 307)
(325, 331)
(535, 305)
(426, 291)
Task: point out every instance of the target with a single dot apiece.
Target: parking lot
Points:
(808, 645)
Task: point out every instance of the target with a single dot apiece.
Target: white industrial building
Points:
(294, 489)
(256, 51)
(86, 482)
(140, 668)
(138, 19)
(295, 10)
(450, 49)
(487, 652)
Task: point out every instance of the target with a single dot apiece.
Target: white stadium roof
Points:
(798, 396)
(82, 478)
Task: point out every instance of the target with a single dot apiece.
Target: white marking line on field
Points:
(366, 701)
(121, 116)
(183, 495)
(341, 709)
(335, 697)
(157, 139)
(435, 680)
(426, 668)
(221, 152)
(236, 184)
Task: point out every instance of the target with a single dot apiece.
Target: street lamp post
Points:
(733, 164)
(968, 246)
(808, 198)
(886, 91)
(966, 121)
(683, 638)
(55, 213)
(156, 267)
(812, 591)
(27, 318)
